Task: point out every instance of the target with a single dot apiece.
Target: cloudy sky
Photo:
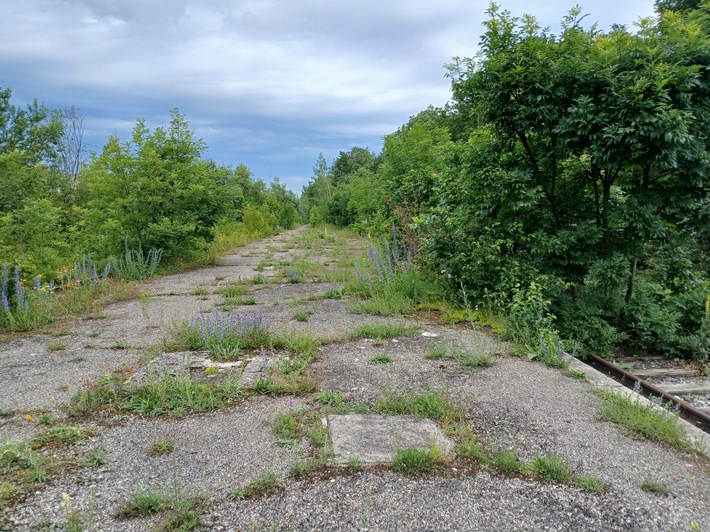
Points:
(267, 83)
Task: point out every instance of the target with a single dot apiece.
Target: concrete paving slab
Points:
(375, 439)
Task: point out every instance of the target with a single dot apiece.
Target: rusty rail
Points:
(687, 411)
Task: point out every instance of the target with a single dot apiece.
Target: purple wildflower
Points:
(20, 299)
(543, 347)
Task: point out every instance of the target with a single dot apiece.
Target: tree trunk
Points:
(632, 277)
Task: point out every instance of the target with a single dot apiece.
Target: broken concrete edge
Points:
(600, 381)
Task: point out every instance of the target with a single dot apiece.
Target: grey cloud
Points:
(266, 82)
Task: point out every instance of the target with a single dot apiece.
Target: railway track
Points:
(679, 381)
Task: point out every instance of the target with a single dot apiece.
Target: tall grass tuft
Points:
(389, 284)
(134, 265)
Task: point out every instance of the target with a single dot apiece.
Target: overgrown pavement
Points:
(199, 404)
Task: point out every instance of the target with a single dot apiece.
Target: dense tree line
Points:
(153, 191)
(568, 176)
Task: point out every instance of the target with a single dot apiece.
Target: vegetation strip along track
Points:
(688, 412)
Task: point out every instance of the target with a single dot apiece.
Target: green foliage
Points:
(645, 420)
(580, 166)
(331, 398)
(266, 483)
(590, 484)
(161, 394)
(379, 359)
(95, 458)
(431, 404)
(415, 461)
(551, 467)
(154, 191)
(411, 161)
(134, 265)
(650, 485)
(161, 447)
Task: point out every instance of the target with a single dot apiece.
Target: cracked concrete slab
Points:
(375, 439)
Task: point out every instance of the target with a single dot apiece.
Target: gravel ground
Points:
(515, 403)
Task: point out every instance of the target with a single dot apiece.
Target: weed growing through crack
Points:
(59, 435)
(74, 519)
(354, 462)
(646, 420)
(237, 494)
(45, 419)
(590, 484)
(379, 359)
(182, 511)
(650, 485)
(23, 469)
(95, 458)
(235, 290)
(507, 461)
(160, 394)
(430, 404)
(56, 346)
(482, 357)
(142, 503)
(576, 374)
(293, 275)
(331, 398)
(382, 331)
(262, 485)
(200, 291)
(551, 467)
(297, 424)
(161, 447)
(303, 467)
(224, 334)
(415, 461)
(471, 449)
(302, 314)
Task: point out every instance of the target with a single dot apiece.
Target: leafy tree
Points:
(154, 191)
(317, 194)
(677, 5)
(347, 163)
(411, 161)
(588, 152)
(32, 220)
(28, 143)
